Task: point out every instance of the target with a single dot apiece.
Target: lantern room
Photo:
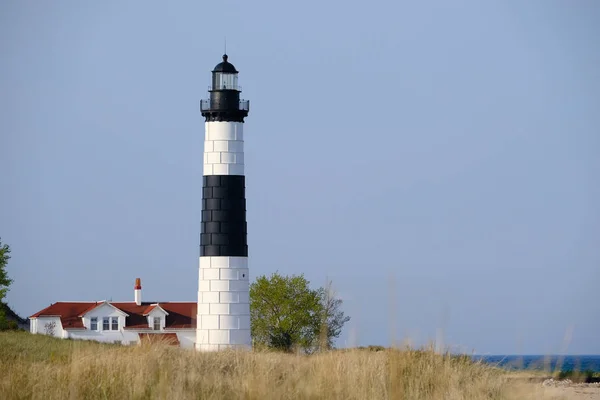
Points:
(225, 76)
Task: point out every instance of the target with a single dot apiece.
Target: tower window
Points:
(94, 324)
(157, 323)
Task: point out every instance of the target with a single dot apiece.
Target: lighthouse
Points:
(223, 290)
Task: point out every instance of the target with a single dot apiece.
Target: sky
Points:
(437, 161)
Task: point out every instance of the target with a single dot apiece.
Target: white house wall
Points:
(122, 336)
(187, 338)
(48, 326)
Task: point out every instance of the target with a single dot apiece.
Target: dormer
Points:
(157, 317)
(103, 316)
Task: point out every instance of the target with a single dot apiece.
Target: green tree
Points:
(332, 317)
(4, 280)
(286, 313)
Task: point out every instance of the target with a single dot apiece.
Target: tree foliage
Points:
(4, 280)
(332, 317)
(286, 314)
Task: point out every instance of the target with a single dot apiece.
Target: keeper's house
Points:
(119, 322)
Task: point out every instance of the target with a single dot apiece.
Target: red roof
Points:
(69, 313)
(181, 315)
(150, 308)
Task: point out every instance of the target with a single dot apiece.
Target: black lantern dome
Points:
(225, 66)
(224, 103)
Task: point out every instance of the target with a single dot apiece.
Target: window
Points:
(224, 80)
(94, 324)
(115, 324)
(157, 323)
(105, 323)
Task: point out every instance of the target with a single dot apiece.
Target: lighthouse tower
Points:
(223, 292)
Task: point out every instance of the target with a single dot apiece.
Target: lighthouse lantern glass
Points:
(222, 80)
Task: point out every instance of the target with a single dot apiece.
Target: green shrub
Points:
(586, 376)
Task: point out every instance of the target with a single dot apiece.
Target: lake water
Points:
(564, 363)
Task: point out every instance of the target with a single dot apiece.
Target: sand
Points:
(572, 393)
(533, 386)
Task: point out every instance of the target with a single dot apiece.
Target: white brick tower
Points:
(223, 290)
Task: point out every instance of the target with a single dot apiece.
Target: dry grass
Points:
(38, 367)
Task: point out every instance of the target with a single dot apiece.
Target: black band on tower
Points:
(223, 216)
(225, 116)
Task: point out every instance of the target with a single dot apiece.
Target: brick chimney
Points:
(138, 291)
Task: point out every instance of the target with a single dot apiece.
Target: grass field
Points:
(40, 367)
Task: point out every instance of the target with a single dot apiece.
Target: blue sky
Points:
(437, 160)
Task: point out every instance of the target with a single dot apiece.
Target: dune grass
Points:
(40, 367)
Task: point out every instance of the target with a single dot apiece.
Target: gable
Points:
(157, 311)
(104, 310)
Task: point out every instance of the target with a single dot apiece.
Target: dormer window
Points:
(110, 323)
(157, 323)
